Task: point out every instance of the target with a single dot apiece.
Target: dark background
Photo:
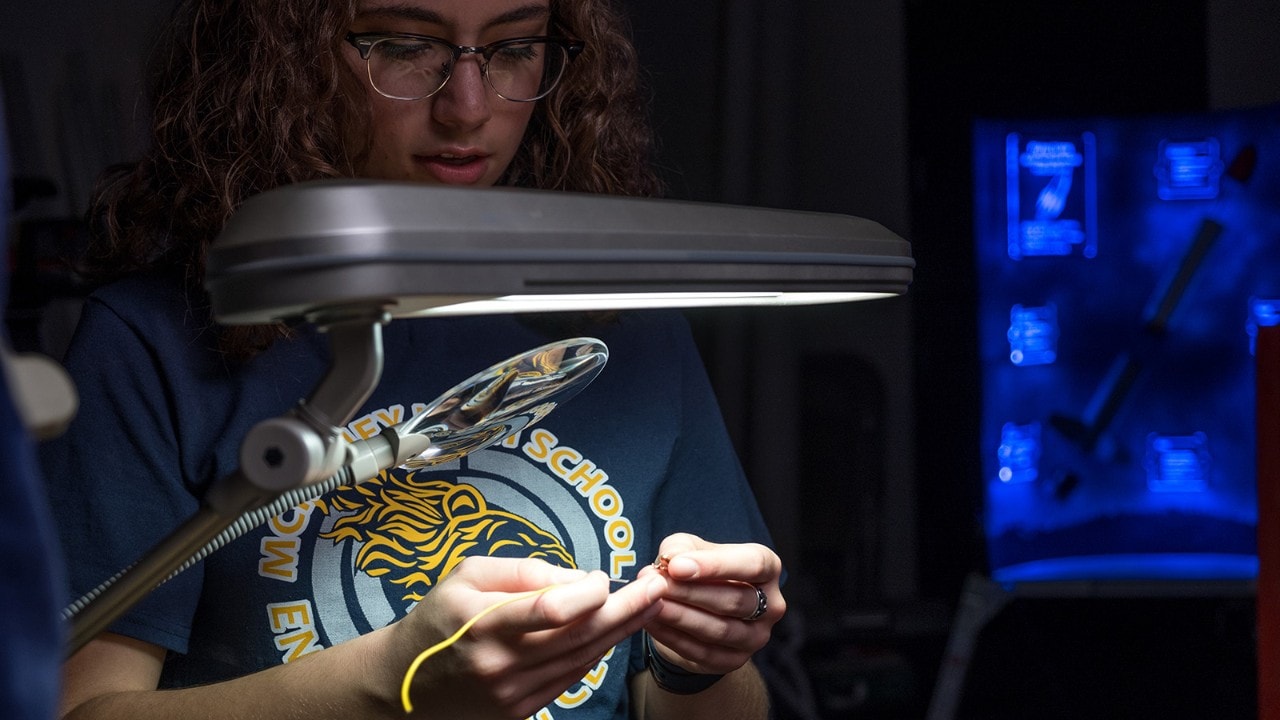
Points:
(855, 423)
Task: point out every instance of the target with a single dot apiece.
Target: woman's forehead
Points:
(457, 12)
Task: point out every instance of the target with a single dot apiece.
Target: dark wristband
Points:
(671, 677)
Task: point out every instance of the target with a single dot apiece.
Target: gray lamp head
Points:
(417, 249)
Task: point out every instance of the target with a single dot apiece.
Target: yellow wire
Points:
(422, 657)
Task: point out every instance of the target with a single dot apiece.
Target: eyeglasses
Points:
(412, 67)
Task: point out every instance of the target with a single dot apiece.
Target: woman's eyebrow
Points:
(533, 11)
(405, 12)
(527, 12)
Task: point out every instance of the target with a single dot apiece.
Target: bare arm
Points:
(516, 660)
(116, 677)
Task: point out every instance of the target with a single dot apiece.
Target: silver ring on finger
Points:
(762, 605)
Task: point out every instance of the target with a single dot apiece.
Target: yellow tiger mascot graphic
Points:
(414, 531)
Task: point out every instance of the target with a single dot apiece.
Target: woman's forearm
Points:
(338, 682)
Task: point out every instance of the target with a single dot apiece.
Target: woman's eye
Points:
(516, 53)
(409, 50)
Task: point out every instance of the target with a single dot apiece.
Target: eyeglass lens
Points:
(410, 68)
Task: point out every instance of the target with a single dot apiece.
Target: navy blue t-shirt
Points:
(639, 454)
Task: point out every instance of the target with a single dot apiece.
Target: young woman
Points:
(320, 612)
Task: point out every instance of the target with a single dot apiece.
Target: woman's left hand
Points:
(720, 605)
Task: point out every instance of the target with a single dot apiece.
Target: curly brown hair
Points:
(592, 134)
(248, 95)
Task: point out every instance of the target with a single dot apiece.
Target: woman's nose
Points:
(464, 101)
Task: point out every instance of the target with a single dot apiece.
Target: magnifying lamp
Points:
(483, 409)
(351, 255)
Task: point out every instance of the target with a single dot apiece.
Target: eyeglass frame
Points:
(364, 43)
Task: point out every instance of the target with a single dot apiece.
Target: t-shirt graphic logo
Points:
(413, 530)
(362, 556)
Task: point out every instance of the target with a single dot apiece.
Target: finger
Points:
(701, 631)
(563, 605)
(625, 612)
(713, 628)
(553, 606)
(545, 663)
(554, 660)
(730, 599)
(513, 574)
(697, 655)
(748, 562)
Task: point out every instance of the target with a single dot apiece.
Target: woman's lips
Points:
(454, 169)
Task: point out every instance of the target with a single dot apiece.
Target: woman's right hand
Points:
(522, 656)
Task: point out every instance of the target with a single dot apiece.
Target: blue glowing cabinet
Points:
(1123, 266)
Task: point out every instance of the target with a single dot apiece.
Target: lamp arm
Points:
(277, 455)
(355, 338)
(304, 445)
(368, 457)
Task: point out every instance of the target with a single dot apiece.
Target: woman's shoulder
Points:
(141, 290)
(151, 297)
(155, 308)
